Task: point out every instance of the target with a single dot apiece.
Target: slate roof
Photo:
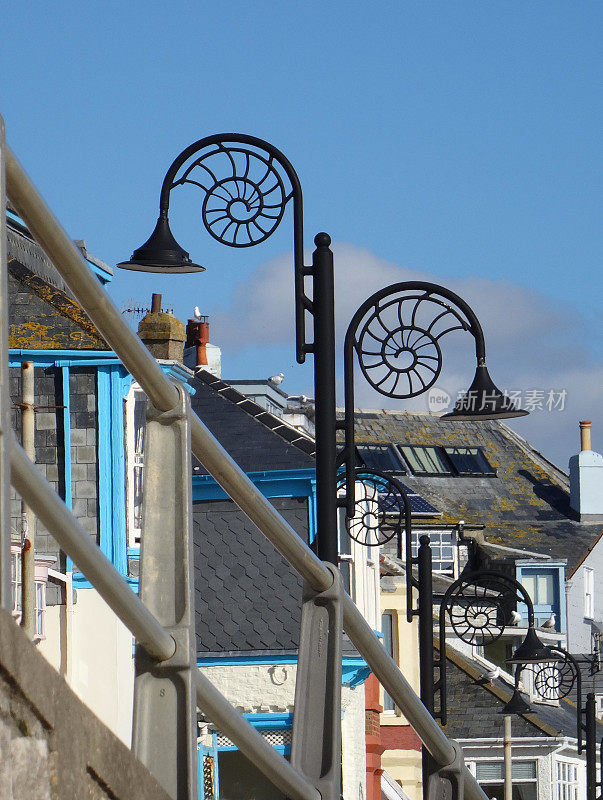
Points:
(256, 439)
(43, 312)
(526, 505)
(474, 706)
(247, 597)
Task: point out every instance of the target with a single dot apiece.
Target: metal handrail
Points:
(163, 395)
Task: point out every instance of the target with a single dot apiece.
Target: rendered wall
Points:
(98, 660)
(579, 626)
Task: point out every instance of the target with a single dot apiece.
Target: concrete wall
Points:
(579, 626)
(51, 746)
(263, 688)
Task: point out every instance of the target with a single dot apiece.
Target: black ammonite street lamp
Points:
(556, 681)
(247, 184)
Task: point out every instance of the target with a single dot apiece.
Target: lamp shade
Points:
(516, 705)
(483, 400)
(533, 651)
(161, 253)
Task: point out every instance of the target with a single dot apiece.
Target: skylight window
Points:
(469, 461)
(382, 457)
(426, 460)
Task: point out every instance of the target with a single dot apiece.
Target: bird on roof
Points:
(277, 379)
(197, 313)
(549, 623)
(515, 618)
(491, 674)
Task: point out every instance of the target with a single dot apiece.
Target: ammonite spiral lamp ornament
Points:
(556, 681)
(246, 184)
(396, 336)
(382, 513)
(478, 607)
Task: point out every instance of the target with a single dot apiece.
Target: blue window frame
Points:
(545, 585)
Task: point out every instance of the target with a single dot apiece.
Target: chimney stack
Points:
(586, 479)
(162, 333)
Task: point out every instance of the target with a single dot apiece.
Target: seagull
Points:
(515, 618)
(197, 313)
(277, 379)
(491, 674)
(550, 623)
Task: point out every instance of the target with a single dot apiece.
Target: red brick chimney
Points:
(374, 748)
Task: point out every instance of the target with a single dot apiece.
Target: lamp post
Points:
(555, 683)
(396, 337)
(247, 185)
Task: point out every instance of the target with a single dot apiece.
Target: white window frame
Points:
(567, 780)
(134, 462)
(40, 576)
(589, 592)
(500, 781)
(435, 540)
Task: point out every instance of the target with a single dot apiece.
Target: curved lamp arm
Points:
(482, 598)
(247, 183)
(395, 335)
(569, 659)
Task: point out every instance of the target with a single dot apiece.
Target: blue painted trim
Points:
(312, 511)
(232, 661)
(103, 455)
(559, 606)
(270, 721)
(111, 467)
(271, 483)
(63, 358)
(118, 474)
(66, 395)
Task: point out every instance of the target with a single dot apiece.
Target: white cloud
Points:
(531, 342)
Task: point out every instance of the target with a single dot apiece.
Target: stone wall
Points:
(52, 747)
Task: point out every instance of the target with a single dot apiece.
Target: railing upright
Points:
(5, 587)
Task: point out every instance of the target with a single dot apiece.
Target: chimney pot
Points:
(585, 427)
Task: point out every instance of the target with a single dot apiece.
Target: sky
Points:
(457, 143)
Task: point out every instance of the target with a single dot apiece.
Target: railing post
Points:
(165, 717)
(316, 742)
(5, 588)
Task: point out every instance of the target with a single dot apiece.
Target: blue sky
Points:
(451, 141)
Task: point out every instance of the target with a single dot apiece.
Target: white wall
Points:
(545, 751)
(578, 626)
(96, 658)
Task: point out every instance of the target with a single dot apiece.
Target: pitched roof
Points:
(526, 505)
(474, 706)
(43, 312)
(256, 439)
